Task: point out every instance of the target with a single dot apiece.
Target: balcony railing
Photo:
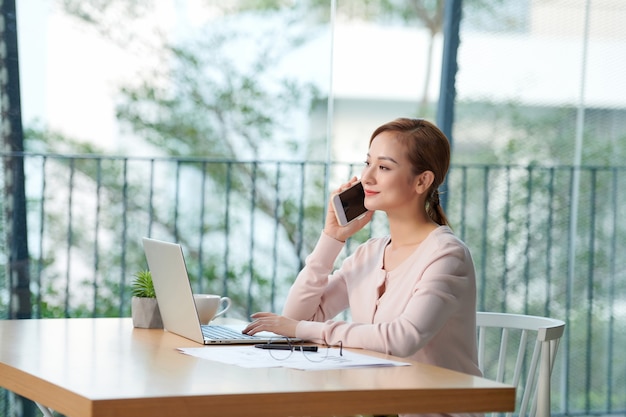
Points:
(545, 240)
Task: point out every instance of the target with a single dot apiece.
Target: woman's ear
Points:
(423, 182)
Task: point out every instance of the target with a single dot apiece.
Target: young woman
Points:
(411, 294)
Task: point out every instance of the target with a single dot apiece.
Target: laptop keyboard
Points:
(222, 332)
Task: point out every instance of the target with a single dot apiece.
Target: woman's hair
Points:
(428, 149)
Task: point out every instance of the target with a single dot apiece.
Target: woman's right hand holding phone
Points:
(332, 227)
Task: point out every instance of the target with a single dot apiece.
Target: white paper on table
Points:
(251, 357)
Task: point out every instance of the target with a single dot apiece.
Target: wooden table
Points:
(105, 367)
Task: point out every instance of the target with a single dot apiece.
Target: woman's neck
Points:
(410, 232)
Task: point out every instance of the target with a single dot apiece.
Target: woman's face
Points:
(387, 177)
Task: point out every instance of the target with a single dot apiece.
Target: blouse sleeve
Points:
(316, 294)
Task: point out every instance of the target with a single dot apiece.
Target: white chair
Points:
(496, 358)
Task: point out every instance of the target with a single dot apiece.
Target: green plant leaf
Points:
(142, 285)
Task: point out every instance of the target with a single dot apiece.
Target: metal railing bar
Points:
(504, 283)
(568, 306)
(69, 239)
(177, 200)
(201, 237)
(300, 234)
(252, 226)
(590, 288)
(42, 222)
(96, 252)
(526, 273)
(484, 240)
(463, 215)
(275, 245)
(124, 244)
(229, 179)
(151, 198)
(613, 272)
(549, 231)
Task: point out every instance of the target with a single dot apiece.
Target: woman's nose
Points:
(366, 177)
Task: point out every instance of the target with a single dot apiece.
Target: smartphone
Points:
(285, 346)
(348, 204)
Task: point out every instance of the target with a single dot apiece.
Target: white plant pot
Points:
(146, 314)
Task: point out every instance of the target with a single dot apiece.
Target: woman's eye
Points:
(382, 168)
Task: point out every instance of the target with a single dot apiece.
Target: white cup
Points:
(208, 304)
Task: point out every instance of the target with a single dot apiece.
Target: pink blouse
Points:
(427, 312)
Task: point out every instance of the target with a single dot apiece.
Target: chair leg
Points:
(44, 410)
(543, 390)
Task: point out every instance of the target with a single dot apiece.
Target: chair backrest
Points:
(504, 341)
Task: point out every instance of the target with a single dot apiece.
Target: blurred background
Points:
(223, 126)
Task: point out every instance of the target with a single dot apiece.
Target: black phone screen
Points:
(352, 201)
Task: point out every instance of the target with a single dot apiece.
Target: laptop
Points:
(175, 297)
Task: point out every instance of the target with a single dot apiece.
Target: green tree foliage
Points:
(201, 103)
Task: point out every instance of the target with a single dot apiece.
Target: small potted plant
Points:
(144, 306)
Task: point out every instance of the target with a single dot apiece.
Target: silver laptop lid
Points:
(173, 289)
(176, 304)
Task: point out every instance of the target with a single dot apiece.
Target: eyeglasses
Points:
(282, 348)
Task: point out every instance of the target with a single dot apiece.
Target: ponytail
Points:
(434, 209)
